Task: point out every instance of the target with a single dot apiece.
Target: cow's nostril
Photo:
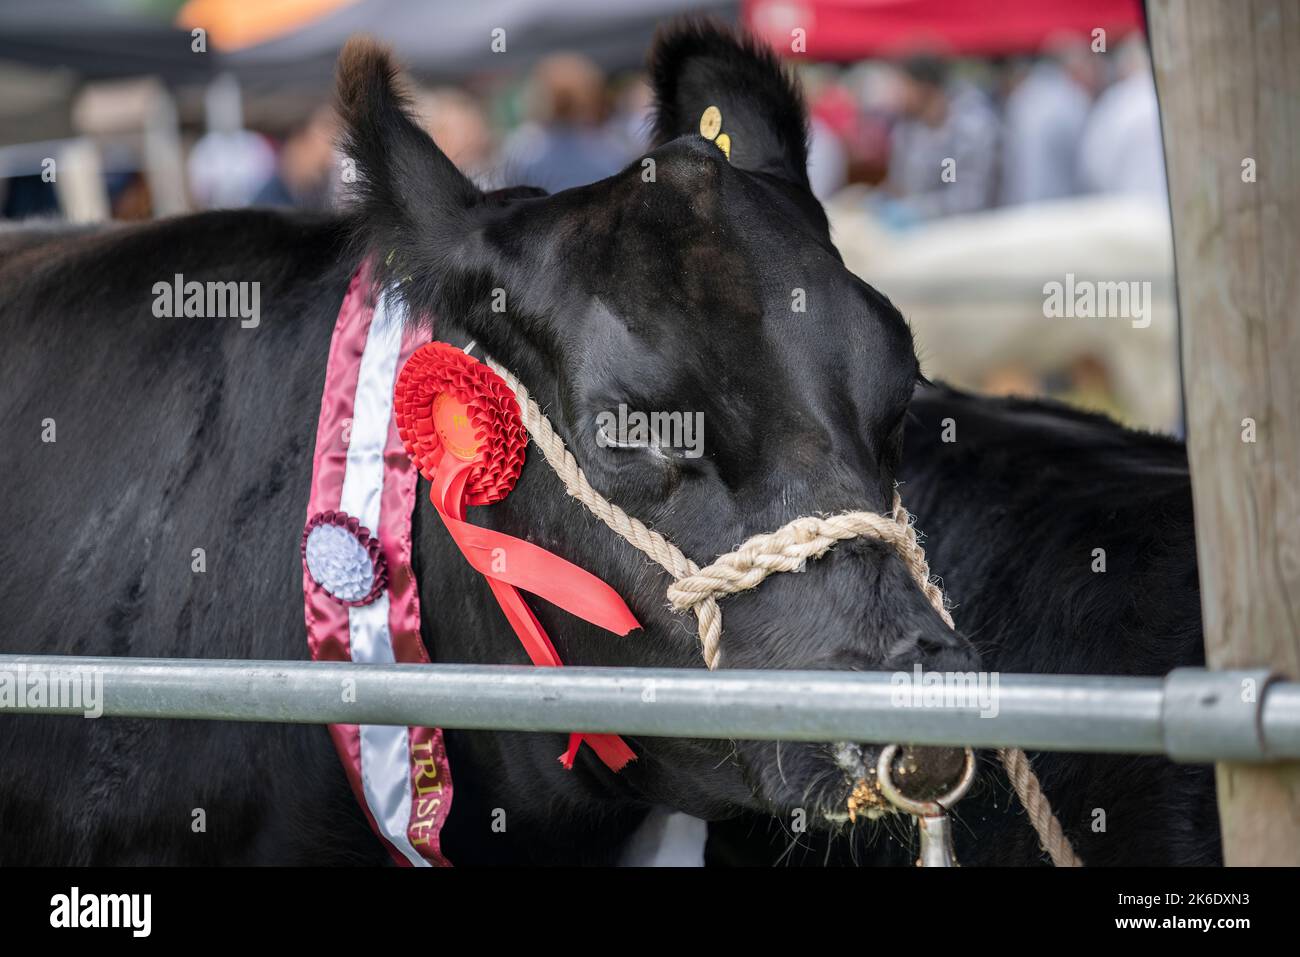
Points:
(936, 650)
(956, 657)
(941, 640)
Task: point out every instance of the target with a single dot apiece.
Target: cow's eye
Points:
(666, 437)
(611, 439)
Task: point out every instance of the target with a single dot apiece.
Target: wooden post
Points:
(1228, 75)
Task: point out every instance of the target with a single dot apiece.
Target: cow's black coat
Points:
(171, 435)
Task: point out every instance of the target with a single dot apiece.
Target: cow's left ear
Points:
(756, 104)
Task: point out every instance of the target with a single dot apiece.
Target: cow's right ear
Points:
(416, 214)
(698, 64)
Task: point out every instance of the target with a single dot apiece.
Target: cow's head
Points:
(696, 283)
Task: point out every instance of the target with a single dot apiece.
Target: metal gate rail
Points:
(1191, 714)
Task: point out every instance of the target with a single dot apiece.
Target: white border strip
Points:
(385, 749)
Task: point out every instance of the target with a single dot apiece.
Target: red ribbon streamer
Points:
(525, 565)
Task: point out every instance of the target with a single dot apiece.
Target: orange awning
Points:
(234, 24)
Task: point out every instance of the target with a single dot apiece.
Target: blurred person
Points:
(129, 196)
(565, 145)
(1089, 384)
(228, 169)
(871, 86)
(633, 115)
(1013, 378)
(941, 120)
(828, 159)
(832, 126)
(1045, 116)
(456, 122)
(304, 171)
(229, 165)
(1121, 150)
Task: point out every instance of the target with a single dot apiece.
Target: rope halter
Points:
(787, 549)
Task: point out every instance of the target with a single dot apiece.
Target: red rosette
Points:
(449, 403)
(371, 546)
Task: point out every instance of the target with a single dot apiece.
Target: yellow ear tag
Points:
(711, 123)
(723, 142)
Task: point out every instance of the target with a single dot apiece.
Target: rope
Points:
(788, 549)
(1050, 834)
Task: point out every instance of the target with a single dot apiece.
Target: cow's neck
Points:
(512, 801)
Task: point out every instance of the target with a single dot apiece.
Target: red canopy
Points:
(853, 29)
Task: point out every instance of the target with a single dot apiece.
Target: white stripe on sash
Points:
(385, 750)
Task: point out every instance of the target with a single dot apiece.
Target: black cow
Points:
(1015, 496)
(670, 286)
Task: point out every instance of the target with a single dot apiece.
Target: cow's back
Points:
(1066, 544)
(154, 473)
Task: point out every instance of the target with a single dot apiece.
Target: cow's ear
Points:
(697, 64)
(415, 213)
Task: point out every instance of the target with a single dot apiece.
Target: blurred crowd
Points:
(566, 125)
(932, 136)
(937, 137)
(947, 138)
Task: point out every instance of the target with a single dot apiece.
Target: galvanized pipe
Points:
(1037, 712)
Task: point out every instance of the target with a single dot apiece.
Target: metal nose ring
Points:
(932, 819)
(933, 808)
